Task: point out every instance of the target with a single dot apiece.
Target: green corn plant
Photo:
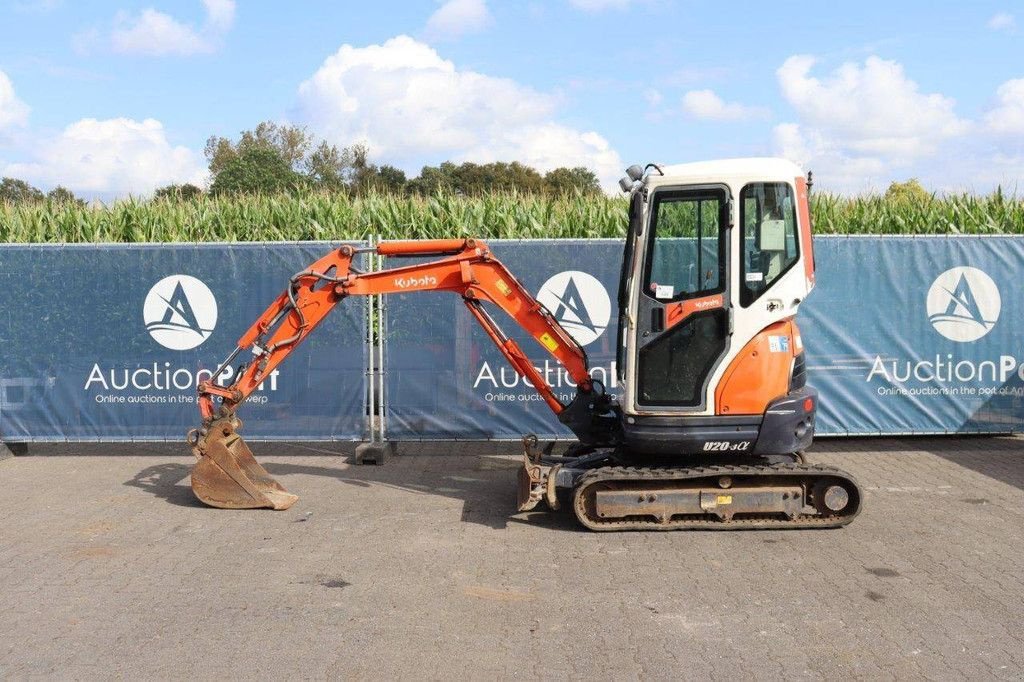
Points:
(501, 215)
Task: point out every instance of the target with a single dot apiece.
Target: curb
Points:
(11, 450)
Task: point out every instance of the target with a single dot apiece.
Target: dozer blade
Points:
(227, 476)
(536, 481)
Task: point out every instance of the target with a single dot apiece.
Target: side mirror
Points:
(635, 172)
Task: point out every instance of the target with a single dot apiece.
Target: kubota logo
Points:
(579, 302)
(963, 304)
(407, 282)
(180, 312)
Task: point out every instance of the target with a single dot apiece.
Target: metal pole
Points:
(370, 356)
(381, 339)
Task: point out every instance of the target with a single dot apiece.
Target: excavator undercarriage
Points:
(606, 494)
(710, 431)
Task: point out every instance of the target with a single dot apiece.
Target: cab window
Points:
(687, 244)
(770, 243)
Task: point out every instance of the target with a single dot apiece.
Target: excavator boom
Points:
(228, 476)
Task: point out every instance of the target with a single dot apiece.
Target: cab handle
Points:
(658, 319)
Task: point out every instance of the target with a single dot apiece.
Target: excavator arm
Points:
(227, 475)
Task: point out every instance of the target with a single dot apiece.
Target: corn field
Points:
(506, 216)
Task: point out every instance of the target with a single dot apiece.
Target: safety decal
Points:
(778, 344)
(549, 342)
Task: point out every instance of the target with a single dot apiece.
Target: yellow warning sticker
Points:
(502, 287)
(725, 499)
(549, 342)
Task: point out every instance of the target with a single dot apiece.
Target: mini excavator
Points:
(715, 415)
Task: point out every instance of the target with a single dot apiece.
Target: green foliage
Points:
(318, 215)
(329, 167)
(480, 179)
(477, 179)
(328, 215)
(290, 142)
(910, 192)
(14, 191)
(184, 192)
(568, 180)
(319, 165)
(953, 214)
(256, 170)
(62, 195)
(384, 179)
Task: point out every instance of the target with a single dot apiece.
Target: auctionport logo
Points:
(963, 304)
(579, 302)
(180, 312)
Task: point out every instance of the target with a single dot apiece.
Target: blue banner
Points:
(903, 335)
(108, 342)
(916, 335)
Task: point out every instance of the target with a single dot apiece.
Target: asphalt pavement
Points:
(421, 569)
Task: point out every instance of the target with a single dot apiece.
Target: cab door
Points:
(683, 320)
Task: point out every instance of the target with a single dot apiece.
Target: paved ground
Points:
(417, 569)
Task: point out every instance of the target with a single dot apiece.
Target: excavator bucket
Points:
(229, 477)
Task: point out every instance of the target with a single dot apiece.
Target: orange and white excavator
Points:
(715, 415)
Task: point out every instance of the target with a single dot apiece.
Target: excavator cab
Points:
(718, 260)
(710, 429)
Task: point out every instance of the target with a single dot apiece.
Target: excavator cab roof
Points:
(727, 170)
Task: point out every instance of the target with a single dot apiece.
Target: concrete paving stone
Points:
(420, 569)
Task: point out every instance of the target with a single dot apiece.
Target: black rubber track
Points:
(808, 475)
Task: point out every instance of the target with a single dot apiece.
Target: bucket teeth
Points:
(227, 476)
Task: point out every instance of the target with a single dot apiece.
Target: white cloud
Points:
(706, 105)
(154, 33)
(600, 5)
(220, 14)
(456, 18)
(114, 156)
(1008, 117)
(837, 169)
(13, 112)
(413, 107)
(1003, 21)
(872, 109)
(863, 123)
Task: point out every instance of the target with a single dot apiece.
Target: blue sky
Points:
(118, 97)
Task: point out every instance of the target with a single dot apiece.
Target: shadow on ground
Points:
(168, 482)
(483, 481)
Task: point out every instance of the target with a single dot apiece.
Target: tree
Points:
(290, 142)
(569, 180)
(328, 166)
(14, 191)
(433, 179)
(322, 165)
(256, 170)
(62, 195)
(185, 192)
(385, 179)
(474, 179)
(910, 191)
